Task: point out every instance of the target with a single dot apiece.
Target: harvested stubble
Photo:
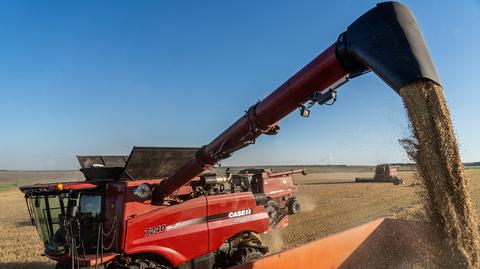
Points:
(435, 150)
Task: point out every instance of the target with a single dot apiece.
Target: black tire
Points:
(146, 264)
(293, 207)
(247, 254)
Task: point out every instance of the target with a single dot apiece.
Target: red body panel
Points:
(278, 186)
(280, 189)
(122, 204)
(175, 238)
(222, 228)
(135, 206)
(181, 226)
(53, 187)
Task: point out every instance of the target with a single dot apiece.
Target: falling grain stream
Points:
(445, 186)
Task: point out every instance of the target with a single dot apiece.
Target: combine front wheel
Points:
(244, 247)
(293, 207)
(146, 264)
(247, 254)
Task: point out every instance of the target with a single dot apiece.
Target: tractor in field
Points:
(159, 208)
(383, 173)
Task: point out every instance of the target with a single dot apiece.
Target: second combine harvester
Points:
(190, 220)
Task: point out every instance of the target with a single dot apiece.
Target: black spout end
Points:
(387, 41)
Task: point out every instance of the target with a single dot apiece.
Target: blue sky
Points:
(97, 77)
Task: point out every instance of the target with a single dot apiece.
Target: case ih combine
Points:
(383, 173)
(159, 209)
(209, 221)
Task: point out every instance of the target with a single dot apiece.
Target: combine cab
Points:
(384, 173)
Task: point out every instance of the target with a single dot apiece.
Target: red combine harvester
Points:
(159, 209)
(277, 191)
(112, 210)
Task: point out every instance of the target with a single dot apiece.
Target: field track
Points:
(330, 203)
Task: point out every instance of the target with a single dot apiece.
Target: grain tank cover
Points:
(143, 163)
(102, 167)
(102, 161)
(156, 162)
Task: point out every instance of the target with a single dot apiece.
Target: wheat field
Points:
(331, 203)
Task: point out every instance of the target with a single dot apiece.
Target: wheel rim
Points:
(253, 257)
(296, 207)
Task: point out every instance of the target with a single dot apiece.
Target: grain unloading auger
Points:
(385, 40)
(202, 220)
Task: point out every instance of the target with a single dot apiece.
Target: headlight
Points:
(142, 191)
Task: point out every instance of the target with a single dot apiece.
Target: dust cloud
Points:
(434, 148)
(274, 240)
(307, 203)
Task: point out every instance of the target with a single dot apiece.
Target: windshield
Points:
(48, 212)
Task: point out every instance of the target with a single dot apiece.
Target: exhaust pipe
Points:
(387, 41)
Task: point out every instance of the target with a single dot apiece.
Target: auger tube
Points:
(385, 40)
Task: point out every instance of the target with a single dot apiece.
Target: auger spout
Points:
(387, 41)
